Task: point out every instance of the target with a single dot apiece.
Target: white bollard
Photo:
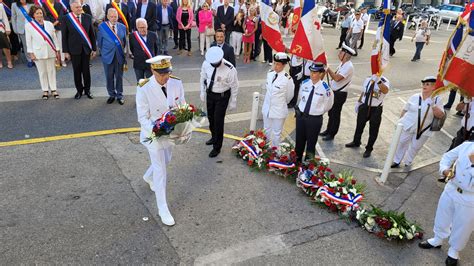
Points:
(337, 20)
(439, 22)
(449, 24)
(408, 19)
(429, 21)
(391, 154)
(254, 114)
(368, 23)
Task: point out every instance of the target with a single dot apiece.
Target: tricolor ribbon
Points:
(120, 13)
(78, 26)
(63, 5)
(280, 165)
(249, 148)
(38, 3)
(7, 10)
(51, 9)
(43, 34)
(25, 14)
(142, 43)
(115, 38)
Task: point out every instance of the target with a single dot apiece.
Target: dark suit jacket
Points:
(87, 9)
(125, 12)
(228, 52)
(159, 16)
(132, 13)
(227, 19)
(139, 56)
(49, 17)
(150, 15)
(72, 40)
(396, 32)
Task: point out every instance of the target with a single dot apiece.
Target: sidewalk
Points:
(83, 201)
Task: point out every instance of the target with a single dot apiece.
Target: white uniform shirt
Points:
(323, 97)
(306, 65)
(357, 25)
(464, 172)
(365, 18)
(377, 95)
(470, 121)
(346, 70)
(410, 118)
(225, 79)
(164, 15)
(279, 94)
(152, 104)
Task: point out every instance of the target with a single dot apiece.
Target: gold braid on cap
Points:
(162, 65)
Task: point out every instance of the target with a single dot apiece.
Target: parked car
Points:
(450, 11)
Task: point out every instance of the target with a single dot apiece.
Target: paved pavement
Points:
(83, 201)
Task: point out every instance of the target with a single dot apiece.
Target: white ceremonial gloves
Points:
(299, 75)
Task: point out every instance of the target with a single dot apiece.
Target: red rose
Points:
(332, 176)
(193, 109)
(293, 154)
(331, 190)
(262, 144)
(171, 119)
(251, 132)
(353, 181)
(327, 202)
(333, 208)
(380, 234)
(328, 169)
(341, 180)
(284, 158)
(343, 208)
(156, 129)
(242, 153)
(321, 168)
(311, 167)
(320, 183)
(249, 163)
(314, 179)
(419, 235)
(274, 148)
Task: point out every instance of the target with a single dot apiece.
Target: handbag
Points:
(210, 31)
(437, 123)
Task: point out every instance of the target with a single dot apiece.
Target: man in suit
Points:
(224, 19)
(396, 32)
(164, 16)
(132, 12)
(142, 69)
(124, 8)
(228, 50)
(147, 10)
(112, 38)
(78, 49)
(174, 5)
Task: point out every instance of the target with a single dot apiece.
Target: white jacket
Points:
(4, 24)
(36, 44)
(279, 94)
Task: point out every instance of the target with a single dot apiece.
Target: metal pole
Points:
(337, 20)
(439, 23)
(429, 21)
(449, 23)
(408, 19)
(368, 22)
(391, 154)
(254, 114)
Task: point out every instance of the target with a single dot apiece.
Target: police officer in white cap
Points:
(280, 90)
(455, 213)
(416, 118)
(341, 79)
(155, 96)
(315, 99)
(219, 88)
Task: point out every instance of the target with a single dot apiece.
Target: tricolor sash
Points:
(120, 13)
(63, 5)
(42, 31)
(78, 26)
(51, 9)
(38, 3)
(7, 10)
(114, 37)
(2, 26)
(142, 43)
(25, 14)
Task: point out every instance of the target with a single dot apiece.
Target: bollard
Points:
(439, 23)
(449, 23)
(391, 153)
(408, 19)
(254, 114)
(337, 20)
(429, 21)
(368, 22)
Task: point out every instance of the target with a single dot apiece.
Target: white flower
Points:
(338, 194)
(333, 183)
(393, 232)
(370, 221)
(409, 236)
(368, 227)
(413, 228)
(353, 191)
(359, 214)
(344, 190)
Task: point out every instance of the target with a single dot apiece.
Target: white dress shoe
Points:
(166, 217)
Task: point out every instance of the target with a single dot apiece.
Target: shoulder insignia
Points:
(270, 71)
(174, 77)
(142, 82)
(287, 75)
(229, 65)
(304, 81)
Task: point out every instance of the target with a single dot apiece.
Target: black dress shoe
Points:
(427, 245)
(366, 154)
(110, 100)
(324, 133)
(89, 95)
(121, 101)
(210, 142)
(214, 153)
(451, 262)
(352, 145)
(328, 138)
(395, 165)
(175, 47)
(77, 96)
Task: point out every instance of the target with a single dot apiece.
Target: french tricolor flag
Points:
(308, 40)
(380, 55)
(270, 28)
(460, 70)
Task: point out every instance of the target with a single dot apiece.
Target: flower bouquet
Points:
(177, 124)
(282, 160)
(388, 224)
(254, 149)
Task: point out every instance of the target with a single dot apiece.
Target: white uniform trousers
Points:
(454, 219)
(408, 147)
(204, 41)
(47, 73)
(236, 42)
(156, 173)
(273, 128)
(59, 35)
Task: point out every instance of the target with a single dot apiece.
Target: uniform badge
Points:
(219, 79)
(303, 98)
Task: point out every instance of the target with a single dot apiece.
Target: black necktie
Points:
(211, 83)
(276, 76)
(308, 103)
(79, 19)
(163, 88)
(113, 28)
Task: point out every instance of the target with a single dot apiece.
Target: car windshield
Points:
(458, 9)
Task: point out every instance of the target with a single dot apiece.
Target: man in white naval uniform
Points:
(280, 90)
(315, 99)
(219, 88)
(455, 214)
(155, 96)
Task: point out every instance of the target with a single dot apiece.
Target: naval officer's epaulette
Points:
(287, 75)
(306, 80)
(229, 65)
(174, 77)
(142, 82)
